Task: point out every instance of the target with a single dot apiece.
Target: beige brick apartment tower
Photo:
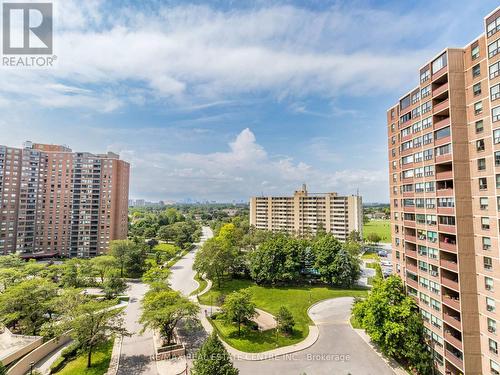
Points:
(444, 160)
(55, 202)
(304, 213)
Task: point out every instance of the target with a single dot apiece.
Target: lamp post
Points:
(31, 367)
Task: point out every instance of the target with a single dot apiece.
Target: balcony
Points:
(409, 224)
(411, 267)
(410, 238)
(412, 283)
(442, 141)
(409, 208)
(448, 264)
(443, 158)
(454, 359)
(442, 123)
(448, 228)
(440, 107)
(452, 321)
(456, 342)
(439, 90)
(446, 210)
(449, 283)
(449, 246)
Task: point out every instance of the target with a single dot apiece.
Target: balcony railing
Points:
(458, 362)
(457, 343)
(450, 246)
(452, 321)
(412, 283)
(410, 238)
(411, 267)
(446, 210)
(440, 89)
(447, 228)
(441, 106)
(448, 264)
(449, 283)
(442, 123)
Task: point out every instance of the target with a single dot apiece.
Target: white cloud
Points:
(245, 169)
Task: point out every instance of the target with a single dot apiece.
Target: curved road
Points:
(339, 349)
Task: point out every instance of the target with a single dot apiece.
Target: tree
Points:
(103, 265)
(93, 323)
(238, 308)
(346, 269)
(8, 277)
(214, 259)
(119, 249)
(285, 320)
(156, 274)
(27, 305)
(325, 249)
(114, 286)
(373, 238)
(164, 309)
(212, 358)
(3, 370)
(392, 321)
(130, 256)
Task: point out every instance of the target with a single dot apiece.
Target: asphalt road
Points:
(137, 350)
(338, 351)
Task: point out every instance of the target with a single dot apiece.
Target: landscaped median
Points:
(297, 299)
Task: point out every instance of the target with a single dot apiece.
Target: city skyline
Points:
(228, 110)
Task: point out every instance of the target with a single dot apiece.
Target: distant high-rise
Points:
(305, 213)
(55, 202)
(444, 155)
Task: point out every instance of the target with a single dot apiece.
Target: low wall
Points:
(171, 354)
(23, 366)
(21, 352)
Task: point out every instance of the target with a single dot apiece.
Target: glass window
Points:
(490, 304)
(485, 223)
(481, 164)
(439, 63)
(478, 108)
(442, 133)
(425, 91)
(486, 243)
(476, 70)
(493, 48)
(493, 27)
(497, 158)
(479, 126)
(483, 183)
(405, 102)
(492, 325)
(493, 346)
(488, 283)
(476, 89)
(495, 114)
(495, 92)
(494, 70)
(425, 75)
(426, 107)
(483, 203)
(475, 52)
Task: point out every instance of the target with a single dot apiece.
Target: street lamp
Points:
(31, 367)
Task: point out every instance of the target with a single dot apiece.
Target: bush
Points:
(252, 325)
(285, 320)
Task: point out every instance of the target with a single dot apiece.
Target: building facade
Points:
(444, 162)
(304, 212)
(55, 202)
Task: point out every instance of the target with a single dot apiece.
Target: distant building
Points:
(305, 212)
(230, 211)
(59, 202)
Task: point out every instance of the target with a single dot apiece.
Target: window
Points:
(443, 150)
(439, 63)
(493, 346)
(497, 158)
(406, 117)
(427, 154)
(494, 70)
(479, 126)
(475, 52)
(497, 180)
(485, 223)
(442, 133)
(426, 122)
(476, 89)
(425, 75)
(487, 263)
(480, 145)
(415, 97)
(495, 114)
(483, 183)
(481, 164)
(488, 283)
(494, 367)
(447, 220)
(478, 108)
(426, 107)
(483, 203)
(426, 91)
(476, 71)
(498, 203)
(429, 171)
(490, 304)
(492, 325)
(486, 243)
(406, 131)
(427, 138)
(493, 48)
(495, 92)
(405, 102)
(493, 27)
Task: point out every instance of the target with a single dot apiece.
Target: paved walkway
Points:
(137, 351)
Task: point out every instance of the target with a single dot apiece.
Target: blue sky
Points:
(221, 100)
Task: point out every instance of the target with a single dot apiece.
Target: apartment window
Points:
(481, 164)
(475, 52)
(493, 346)
(406, 117)
(492, 325)
(425, 75)
(429, 171)
(494, 367)
(427, 138)
(490, 304)
(493, 48)
(488, 283)
(426, 91)
(498, 203)
(494, 70)
(497, 179)
(442, 133)
(479, 126)
(483, 203)
(493, 27)
(415, 112)
(483, 183)
(476, 71)
(486, 243)
(439, 63)
(495, 92)
(406, 131)
(426, 107)
(476, 89)
(495, 114)
(427, 154)
(415, 97)
(447, 220)
(497, 158)
(478, 108)
(426, 122)
(480, 145)
(485, 223)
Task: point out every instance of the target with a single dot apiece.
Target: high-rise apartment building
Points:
(304, 213)
(55, 202)
(444, 160)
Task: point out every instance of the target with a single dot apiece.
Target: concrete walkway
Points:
(43, 366)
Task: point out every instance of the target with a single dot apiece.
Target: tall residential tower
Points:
(58, 202)
(444, 155)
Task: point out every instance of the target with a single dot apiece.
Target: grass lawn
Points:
(296, 298)
(380, 227)
(370, 256)
(100, 362)
(202, 285)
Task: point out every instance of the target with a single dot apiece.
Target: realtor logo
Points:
(27, 29)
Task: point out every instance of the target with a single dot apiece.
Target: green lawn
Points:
(380, 227)
(100, 362)
(296, 298)
(202, 284)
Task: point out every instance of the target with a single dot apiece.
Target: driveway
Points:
(338, 351)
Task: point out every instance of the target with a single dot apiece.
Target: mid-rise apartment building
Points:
(55, 202)
(304, 213)
(444, 160)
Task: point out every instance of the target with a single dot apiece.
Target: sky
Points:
(222, 100)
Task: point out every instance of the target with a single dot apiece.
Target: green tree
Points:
(3, 370)
(9, 277)
(212, 358)
(214, 260)
(130, 256)
(346, 269)
(325, 250)
(119, 249)
(285, 320)
(27, 305)
(156, 274)
(103, 265)
(164, 309)
(113, 286)
(373, 238)
(238, 308)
